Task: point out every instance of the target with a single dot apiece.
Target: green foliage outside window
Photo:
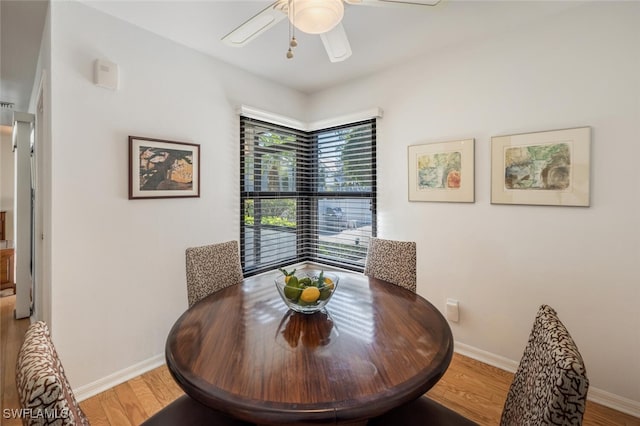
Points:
(278, 212)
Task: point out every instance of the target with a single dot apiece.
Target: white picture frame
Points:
(549, 168)
(442, 171)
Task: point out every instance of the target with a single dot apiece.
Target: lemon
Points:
(306, 281)
(328, 282)
(291, 289)
(310, 294)
(287, 275)
(292, 293)
(325, 293)
(301, 302)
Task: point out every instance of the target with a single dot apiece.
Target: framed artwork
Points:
(442, 171)
(163, 169)
(543, 168)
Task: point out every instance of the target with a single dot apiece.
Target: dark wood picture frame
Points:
(163, 169)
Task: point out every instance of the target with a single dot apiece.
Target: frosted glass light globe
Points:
(316, 16)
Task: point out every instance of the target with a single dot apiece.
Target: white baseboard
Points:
(101, 385)
(487, 357)
(596, 395)
(616, 402)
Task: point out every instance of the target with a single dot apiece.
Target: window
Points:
(306, 196)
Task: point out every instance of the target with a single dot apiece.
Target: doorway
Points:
(22, 136)
(30, 133)
(40, 289)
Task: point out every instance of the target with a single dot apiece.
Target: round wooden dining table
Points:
(374, 347)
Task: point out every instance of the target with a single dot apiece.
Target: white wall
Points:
(502, 261)
(118, 274)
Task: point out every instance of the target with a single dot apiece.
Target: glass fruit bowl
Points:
(306, 291)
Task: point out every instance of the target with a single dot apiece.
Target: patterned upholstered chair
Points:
(549, 387)
(551, 362)
(212, 268)
(392, 261)
(187, 411)
(41, 382)
(421, 412)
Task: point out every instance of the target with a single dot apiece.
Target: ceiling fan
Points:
(321, 17)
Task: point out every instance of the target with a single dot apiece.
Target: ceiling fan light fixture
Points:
(316, 16)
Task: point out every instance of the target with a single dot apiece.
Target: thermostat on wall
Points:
(105, 74)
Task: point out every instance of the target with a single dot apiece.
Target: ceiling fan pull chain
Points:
(292, 30)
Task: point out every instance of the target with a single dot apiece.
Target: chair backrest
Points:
(212, 268)
(392, 261)
(550, 385)
(42, 385)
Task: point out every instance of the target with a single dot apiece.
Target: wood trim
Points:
(3, 219)
(121, 376)
(7, 269)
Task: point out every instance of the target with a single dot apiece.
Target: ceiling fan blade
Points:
(336, 44)
(394, 2)
(256, 25)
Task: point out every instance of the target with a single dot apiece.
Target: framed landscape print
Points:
(543, 168)
(163, 169)
(442, 171)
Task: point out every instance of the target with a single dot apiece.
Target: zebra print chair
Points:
(549, 387)
(212, 268)
(42, 384)
(392, 261)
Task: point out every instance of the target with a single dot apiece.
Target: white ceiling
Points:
(380, 37)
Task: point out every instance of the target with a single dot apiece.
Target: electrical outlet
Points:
(453, 313)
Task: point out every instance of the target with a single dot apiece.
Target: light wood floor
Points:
(472, 388)
(11, 336)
